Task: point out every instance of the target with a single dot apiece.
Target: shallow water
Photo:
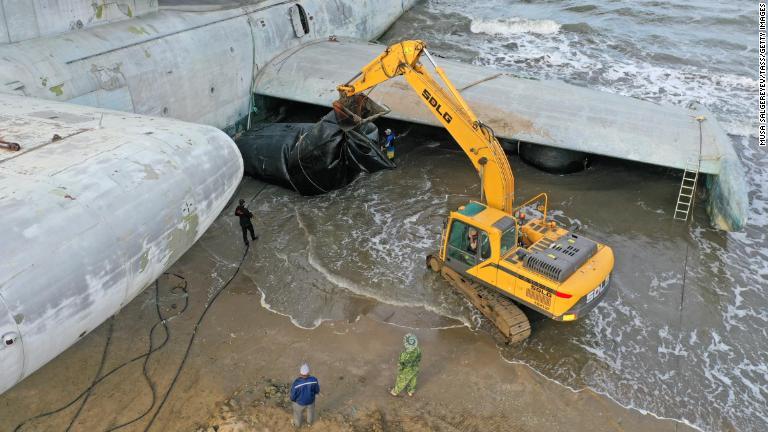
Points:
(682, 333)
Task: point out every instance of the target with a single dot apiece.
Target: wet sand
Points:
(240, 346)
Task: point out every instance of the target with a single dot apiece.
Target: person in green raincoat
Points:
(408, 369)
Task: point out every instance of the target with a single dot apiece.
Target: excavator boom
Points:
(446, 103)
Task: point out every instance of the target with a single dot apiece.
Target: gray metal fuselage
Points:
(98, 203)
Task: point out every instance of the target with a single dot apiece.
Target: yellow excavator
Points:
(498, 255)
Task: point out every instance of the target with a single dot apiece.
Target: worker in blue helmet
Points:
(389, 144)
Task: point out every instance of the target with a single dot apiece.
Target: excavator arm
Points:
(445, 102)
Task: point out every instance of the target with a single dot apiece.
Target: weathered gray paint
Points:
(191, 66)
(11, 357)
(728, 200)
(542, 112)
(28, 19)
(92, 219)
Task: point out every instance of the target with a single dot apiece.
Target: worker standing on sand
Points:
(245, 221)
(303, 392)
(389, 144)
(408, 369)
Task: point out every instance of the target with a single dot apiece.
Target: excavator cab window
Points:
(508, 240)
(458, 244)
(485, 246)
(467, 244)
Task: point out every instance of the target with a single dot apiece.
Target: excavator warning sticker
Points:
(540, 297)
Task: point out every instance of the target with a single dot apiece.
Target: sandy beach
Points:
(244, 356)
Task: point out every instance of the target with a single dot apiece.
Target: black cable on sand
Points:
(85, 392)
(145, 367)
(98, 373)
(145, 356)
(192, 339)
(96, 382)
(264, 186)
(199, 321)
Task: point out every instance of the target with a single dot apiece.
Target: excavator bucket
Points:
(352, 111)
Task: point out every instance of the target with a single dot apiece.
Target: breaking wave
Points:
(513, 26)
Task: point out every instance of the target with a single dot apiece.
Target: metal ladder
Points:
(687, 190)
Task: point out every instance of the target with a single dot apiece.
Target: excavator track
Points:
(501, 311)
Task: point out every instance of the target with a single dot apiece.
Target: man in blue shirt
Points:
(303, 392)
(389, 144)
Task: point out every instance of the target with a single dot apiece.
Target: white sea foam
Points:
(345, 283)
(556, 55)
(645, 207)
(745, 129)
(513, 26)
(605, 394)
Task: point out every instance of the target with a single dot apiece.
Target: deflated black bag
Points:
(313, 159)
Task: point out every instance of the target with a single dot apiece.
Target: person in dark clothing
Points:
(303, 392)
(245, 216)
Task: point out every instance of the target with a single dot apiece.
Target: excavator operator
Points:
(472, 245)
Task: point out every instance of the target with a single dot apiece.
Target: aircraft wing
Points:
(549, 113)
